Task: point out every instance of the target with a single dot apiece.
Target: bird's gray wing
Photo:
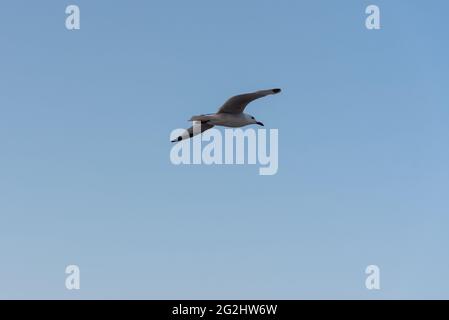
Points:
(193, 131)
(237, 104)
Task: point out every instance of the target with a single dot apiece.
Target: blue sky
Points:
(86, 179)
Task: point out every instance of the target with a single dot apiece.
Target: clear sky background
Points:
(86, 179)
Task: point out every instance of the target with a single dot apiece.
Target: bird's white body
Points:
(227, 119)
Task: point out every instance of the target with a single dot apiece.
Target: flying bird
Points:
(229, 115)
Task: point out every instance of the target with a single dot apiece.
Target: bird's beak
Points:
(260, 123)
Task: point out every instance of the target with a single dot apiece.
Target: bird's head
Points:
(252, 120)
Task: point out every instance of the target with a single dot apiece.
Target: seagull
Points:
(229, 115)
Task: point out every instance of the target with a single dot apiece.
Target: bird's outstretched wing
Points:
(191, 132)
(237, 104)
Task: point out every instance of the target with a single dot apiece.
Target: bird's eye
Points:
(252, 118)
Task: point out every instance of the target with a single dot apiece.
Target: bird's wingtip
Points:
(277, 90)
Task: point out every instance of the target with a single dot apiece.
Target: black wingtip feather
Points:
(177, 140)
